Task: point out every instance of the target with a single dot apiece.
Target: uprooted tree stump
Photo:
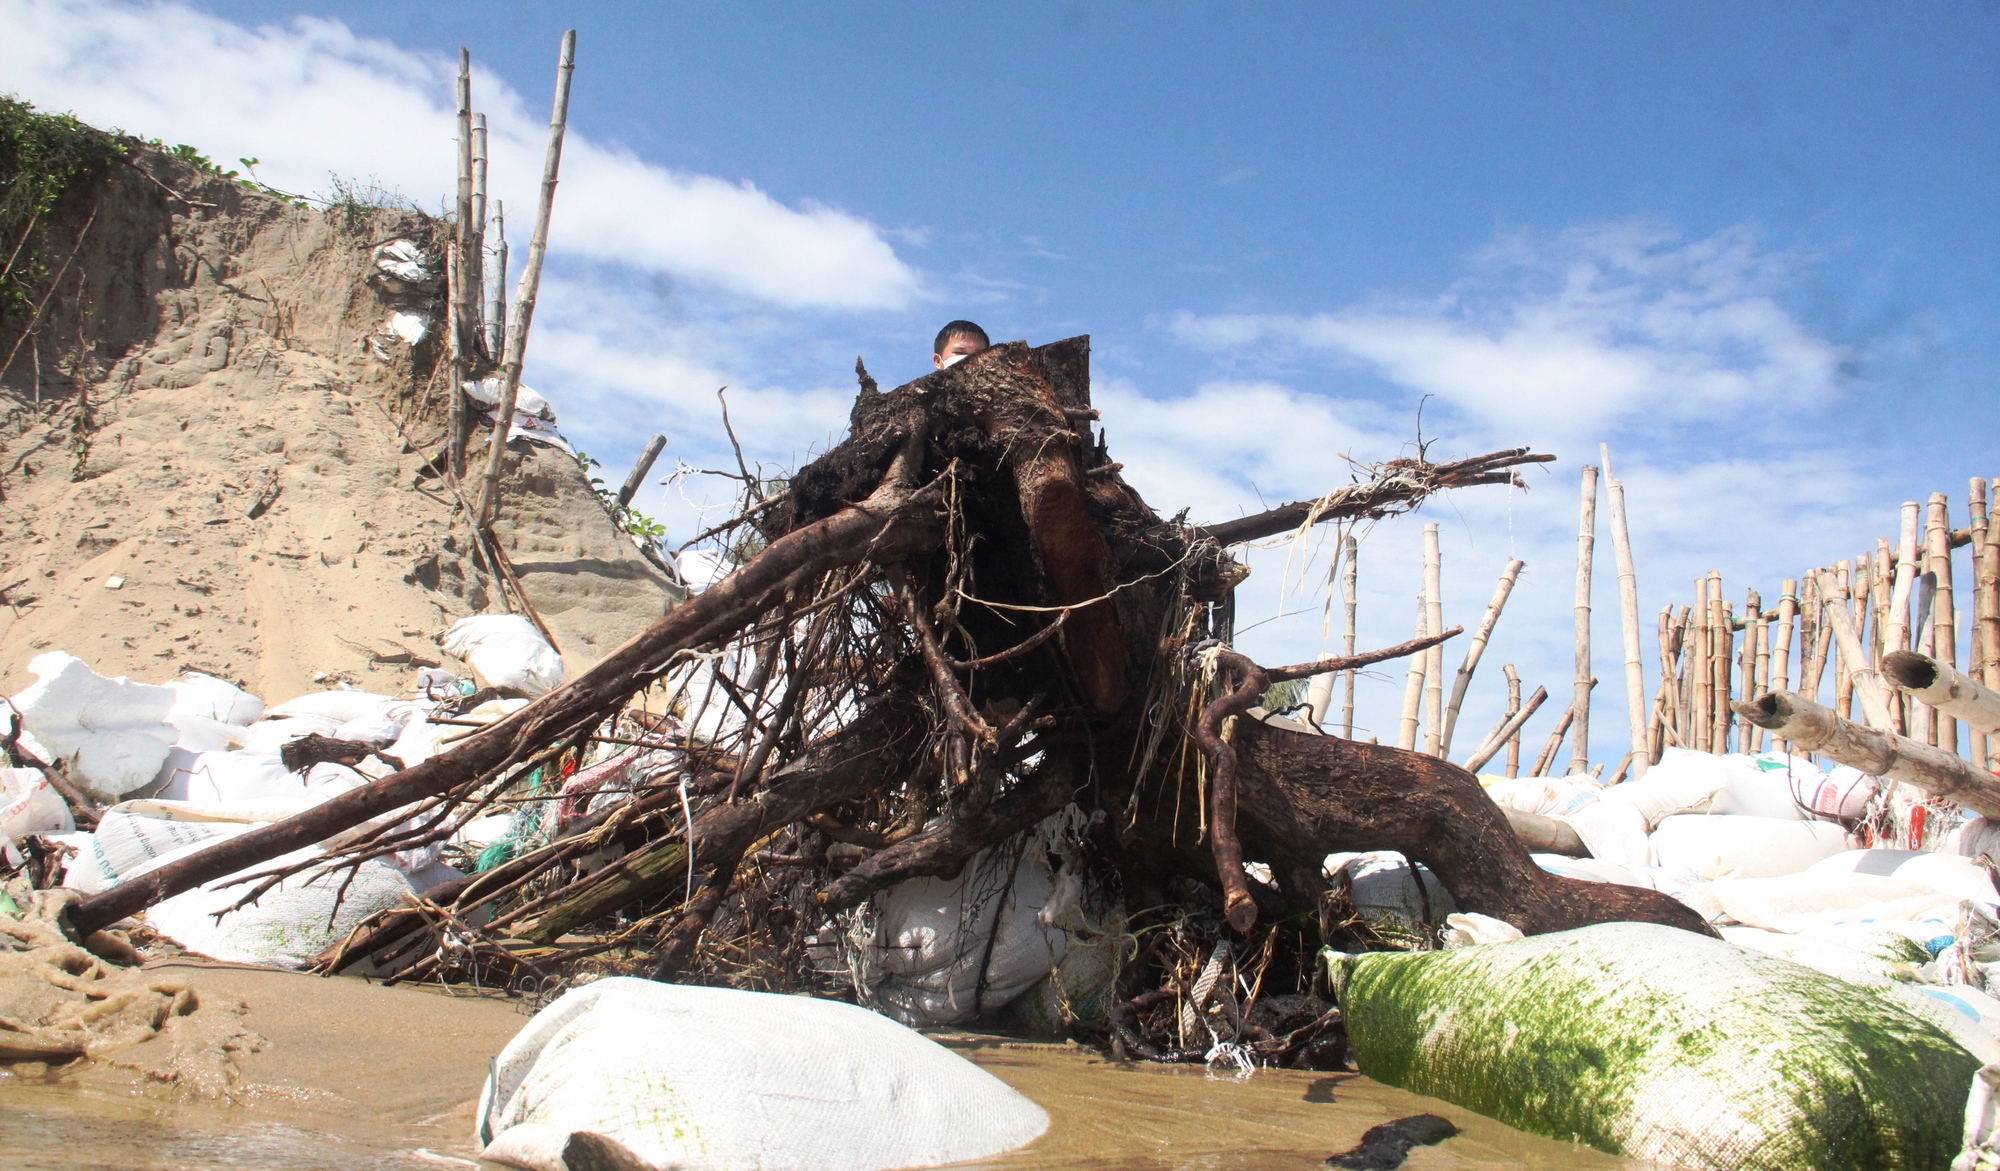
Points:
(963, 621)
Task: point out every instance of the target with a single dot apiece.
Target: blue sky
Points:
(1752, 249)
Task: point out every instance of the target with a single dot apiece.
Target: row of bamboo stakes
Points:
(1898, 596)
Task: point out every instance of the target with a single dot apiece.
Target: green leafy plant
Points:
(41, 157)
(1285, 696)
(629, 520)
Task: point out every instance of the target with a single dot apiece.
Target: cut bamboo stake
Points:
(1547, 759)
(1746, 665)
(475, 297)
(1945, 688)
(1682, 678)
(1628, 616)
(1978, 749)
(531, 279)
(1663, 707)
(1781, 644)
(1923, 721)
(463, 232)
(654, 447)
(1513, 709)
(1700, 681)
(1348, 583)
(1844, 668)
(1762, 683)
(1896, 631)
(1413, 684)
(1815, 637)
(1881, 589)
(1721, 643)
(1476, 649)
(496, 289)
(1986, 610)
(1434, 657)
(457, 417)
(1509, 733)
(1944, 614)
(1876, 752)
(1867, 689)
(1586, 542)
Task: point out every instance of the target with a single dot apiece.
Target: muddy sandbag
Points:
(1655, 1043)
(648, 1075)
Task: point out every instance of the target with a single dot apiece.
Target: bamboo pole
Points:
(1725, 677)
(1514, 709)
(1881, 589)
(1867, 689)
(1781, 645)
(463, 228)
(531, 279)
(1628, 617)
(458, 416)
(1815, 637)
(1663, 696)
(1946, 688)
(496, 300)
(1476, 649)
(475, 297)
(1762, 682)
(1348, 584)
(1681, 676)
(1547, 759)
(1977, 747)
(1413, 684)
(1701, 722)
(1434, 657)
(1896, 631)
(1944, 614)
(1721, 645)
(1877, 752)
(1923, 721)
(1746, 664)
(1845, 665)
(1986, 610)
(1508, 733)
(1586, 541)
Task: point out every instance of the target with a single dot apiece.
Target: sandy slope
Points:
(245, 458)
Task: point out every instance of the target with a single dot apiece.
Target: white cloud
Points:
(311, 98)
(1572, 334)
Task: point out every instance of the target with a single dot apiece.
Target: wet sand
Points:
(400, 1093)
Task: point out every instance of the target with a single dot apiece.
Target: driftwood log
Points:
(980, 623)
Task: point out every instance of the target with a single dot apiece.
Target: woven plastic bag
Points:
(1655, 1043)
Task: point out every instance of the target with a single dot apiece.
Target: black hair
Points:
(959, 329)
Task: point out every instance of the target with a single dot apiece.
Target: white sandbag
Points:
(340, 706)
(200, 734)
(206, 696)
(1388, 890)
(1794, 903)
(1595, 870)
(487, 391)
(706, 1079)
(506, 651)
(1721, 846)
(700, 569)
(927, 952)
(135, 835)
(289, 924)
(270, 735)
(1959, 877)
(1863, 953)
(1842, 793)
(376, 729)
(1614, 831)
(29, 805)
(1763, 786)
(1682, 782)
(110, 731)
(1548, 796)
(240, 778)
(1474, 930)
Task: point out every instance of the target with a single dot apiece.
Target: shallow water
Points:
(402, 1098)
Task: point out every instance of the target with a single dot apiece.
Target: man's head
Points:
(957, 340)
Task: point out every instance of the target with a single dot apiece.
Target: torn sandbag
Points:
(487, 391)
(667, 1075)
(405, 261)
(506, 651)
(1653, 1043)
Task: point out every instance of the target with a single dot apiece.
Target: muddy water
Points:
(401, 1096)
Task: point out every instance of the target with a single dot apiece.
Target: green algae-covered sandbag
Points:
(1656, 1043)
